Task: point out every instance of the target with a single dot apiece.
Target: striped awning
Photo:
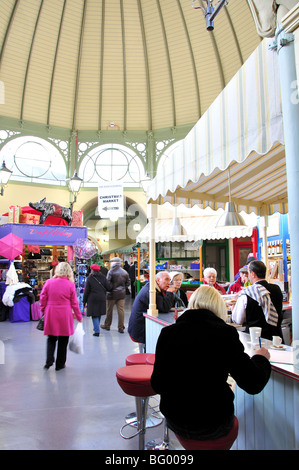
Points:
(240, 137)
(196, 228)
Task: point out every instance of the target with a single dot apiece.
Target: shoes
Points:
(59, 368)
(105, 327)
(48, 365)
(121, 330)
(96, 334)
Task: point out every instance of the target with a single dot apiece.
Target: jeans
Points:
(96, 324)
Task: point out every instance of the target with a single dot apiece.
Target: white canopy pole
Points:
(152, 215)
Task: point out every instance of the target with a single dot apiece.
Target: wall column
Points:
(285, 46)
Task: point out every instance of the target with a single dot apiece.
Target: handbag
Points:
(40, 325)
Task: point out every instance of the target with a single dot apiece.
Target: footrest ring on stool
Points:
(128, 437)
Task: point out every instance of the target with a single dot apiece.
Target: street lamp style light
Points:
(75, 184)
(5, 174)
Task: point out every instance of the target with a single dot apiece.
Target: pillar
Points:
(152, 215)
(285, 46)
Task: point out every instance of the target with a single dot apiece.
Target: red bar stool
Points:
(150, 359)
(138, 358)
(135, 380)
(222, 443)
(141, 345)
(153, 418)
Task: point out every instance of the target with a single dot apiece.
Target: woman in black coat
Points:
(95, 296)
(193, 360)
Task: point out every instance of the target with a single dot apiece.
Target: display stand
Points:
(80, 279)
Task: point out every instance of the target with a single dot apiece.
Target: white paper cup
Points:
(255, 333)
(276, 341)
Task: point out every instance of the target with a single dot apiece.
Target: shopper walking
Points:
(120, 281)
(94, 296)
(59, 304)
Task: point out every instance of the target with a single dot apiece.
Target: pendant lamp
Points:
(177, 228)
(230, 217)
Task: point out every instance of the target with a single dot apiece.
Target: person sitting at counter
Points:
(164, 302)
(241, 282)
(259, 304)
(180, 297)
(193, 359)
(209, 278)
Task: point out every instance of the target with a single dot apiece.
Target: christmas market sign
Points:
(111, 200)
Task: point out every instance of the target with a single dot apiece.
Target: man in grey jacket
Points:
(120, 281)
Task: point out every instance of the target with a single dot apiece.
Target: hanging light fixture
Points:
(75, 182)
(210, 12)
(177, 228)
(230, 217)
(5, 174)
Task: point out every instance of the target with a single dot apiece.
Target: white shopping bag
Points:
(76, 340)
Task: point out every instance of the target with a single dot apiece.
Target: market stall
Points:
(44, 240)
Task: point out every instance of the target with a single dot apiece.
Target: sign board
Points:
(45, 234)
(111, 200)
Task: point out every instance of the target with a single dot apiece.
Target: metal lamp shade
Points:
(230, 218)
(177, 228)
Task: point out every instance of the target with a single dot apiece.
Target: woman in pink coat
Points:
(59, 303)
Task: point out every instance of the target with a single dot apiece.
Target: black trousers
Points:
(61, 350)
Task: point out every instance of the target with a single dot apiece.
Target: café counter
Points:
(268, 420)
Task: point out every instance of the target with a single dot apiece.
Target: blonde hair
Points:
(209, 298)
(64, 270)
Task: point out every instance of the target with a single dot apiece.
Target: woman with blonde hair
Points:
(59, 304)
(193, 359)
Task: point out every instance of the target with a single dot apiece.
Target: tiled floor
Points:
(80, 407)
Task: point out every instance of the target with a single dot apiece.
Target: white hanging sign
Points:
(111, 200)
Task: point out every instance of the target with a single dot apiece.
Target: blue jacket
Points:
(164, 302)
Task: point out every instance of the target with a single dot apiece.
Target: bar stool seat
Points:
(135, 380)
(138, 358)
(222, 443)
(150, 359)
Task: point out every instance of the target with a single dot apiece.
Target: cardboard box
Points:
(77, 219)
(14, 213)
(29, 219)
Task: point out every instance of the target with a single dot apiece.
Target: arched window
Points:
(111, 162)
(167, 156)
(34, 160)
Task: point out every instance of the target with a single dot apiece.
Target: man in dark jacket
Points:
(259, 304)
(120, 281)
(164, 302)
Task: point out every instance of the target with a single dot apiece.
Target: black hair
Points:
(259, 268)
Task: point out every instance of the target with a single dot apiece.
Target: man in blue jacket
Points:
(164, 302)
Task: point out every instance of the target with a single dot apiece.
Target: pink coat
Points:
(58, 301)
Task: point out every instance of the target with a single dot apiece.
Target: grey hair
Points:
(207, 270)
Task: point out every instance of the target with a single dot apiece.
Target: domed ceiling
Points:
(122, 64)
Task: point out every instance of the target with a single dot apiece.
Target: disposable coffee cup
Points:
(276, 341)
(255, 334)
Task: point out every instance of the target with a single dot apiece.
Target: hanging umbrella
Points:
(11, 246)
